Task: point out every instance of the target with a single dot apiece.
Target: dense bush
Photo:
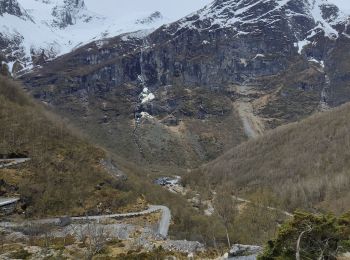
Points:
(310, 236)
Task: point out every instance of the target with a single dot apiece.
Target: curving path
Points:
(162, 229)
(288, 214)
(12, 162)
(164, 221)
(7, 201)
(4, 163)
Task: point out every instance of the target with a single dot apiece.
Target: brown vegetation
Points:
(304, 165)
(64, 175)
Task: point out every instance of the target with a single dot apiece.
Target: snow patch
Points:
(49, 29)
(259, 55)
(146, 96)
(301, 44)
(244, 62)
(321, 63)
(145, 115)
(101, 43)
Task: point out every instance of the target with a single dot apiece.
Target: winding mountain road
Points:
(4, 163)
(164, 222)
(7, 201)
(163, 227)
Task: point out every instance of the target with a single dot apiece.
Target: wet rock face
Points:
(214, 58)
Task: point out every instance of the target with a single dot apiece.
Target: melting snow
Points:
(301, 45)
(146, 96)
(321, 63)
(259, 55)
(145, 115)
(244, 62)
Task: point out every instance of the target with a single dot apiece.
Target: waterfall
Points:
(144, 97)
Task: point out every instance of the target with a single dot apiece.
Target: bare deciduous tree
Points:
(95, 237)
(226, 208)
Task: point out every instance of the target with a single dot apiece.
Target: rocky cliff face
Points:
(263, 63)
(69, 13)
(10, 7)
(223, 43)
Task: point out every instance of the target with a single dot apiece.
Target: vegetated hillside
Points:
(65, 175)
(322, 236)
(304, 164)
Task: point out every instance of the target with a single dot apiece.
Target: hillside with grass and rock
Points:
(302, 165)
(237, 67)
(147, 133)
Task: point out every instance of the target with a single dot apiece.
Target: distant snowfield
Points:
(172, 9)
(108, 18)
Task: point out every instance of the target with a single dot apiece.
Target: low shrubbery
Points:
(65, 174)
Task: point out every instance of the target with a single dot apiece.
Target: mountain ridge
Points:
(260, 78)
(42, 30)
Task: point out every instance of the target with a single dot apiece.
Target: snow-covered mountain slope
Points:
(226, 41)
(303, 18)
(35, 30)
(174, 10)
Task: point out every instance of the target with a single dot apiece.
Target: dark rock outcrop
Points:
(222, 44)
(69, 13)
(10, 7)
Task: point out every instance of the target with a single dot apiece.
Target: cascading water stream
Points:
(144, 97)
(323, 106)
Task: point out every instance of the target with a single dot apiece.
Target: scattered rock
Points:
(16, 236)
(183, 246)
(170, 121)
(244, 250)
